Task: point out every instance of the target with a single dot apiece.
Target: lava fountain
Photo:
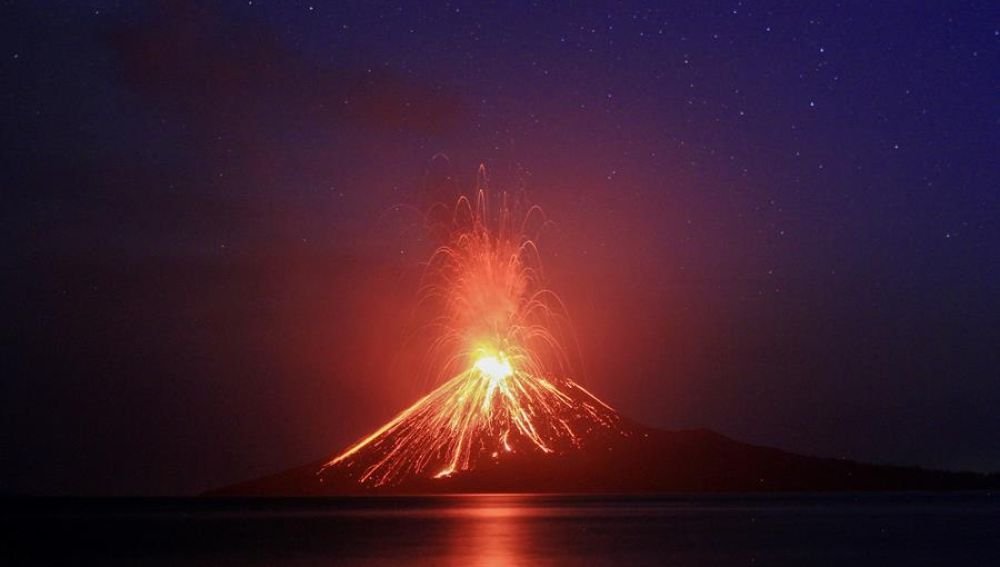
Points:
(498, 349)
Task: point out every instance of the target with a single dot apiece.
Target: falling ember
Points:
(499, 351)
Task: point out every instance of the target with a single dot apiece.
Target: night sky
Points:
(777, 221)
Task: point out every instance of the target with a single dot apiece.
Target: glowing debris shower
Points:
(500, 353)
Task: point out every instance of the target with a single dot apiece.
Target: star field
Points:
(778, 221)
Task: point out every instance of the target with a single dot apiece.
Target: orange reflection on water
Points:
(491, 529)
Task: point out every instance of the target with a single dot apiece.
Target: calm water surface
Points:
(846, 529)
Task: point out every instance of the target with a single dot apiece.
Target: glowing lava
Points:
(496, 368)
(497, 346)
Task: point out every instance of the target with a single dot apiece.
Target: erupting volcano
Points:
(498, 349)
(504, 413)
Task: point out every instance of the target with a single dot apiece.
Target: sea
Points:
(509, 529)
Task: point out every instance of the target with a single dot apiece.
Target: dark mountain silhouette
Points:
(635, 459)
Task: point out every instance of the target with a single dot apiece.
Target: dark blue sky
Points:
(779, 221)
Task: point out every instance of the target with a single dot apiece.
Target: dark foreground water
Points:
(851, 529)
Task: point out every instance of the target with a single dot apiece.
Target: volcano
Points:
(589, 448)
(505, 416)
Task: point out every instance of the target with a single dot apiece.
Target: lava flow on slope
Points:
(498, 349)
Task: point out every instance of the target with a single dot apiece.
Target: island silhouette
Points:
(634, 459)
